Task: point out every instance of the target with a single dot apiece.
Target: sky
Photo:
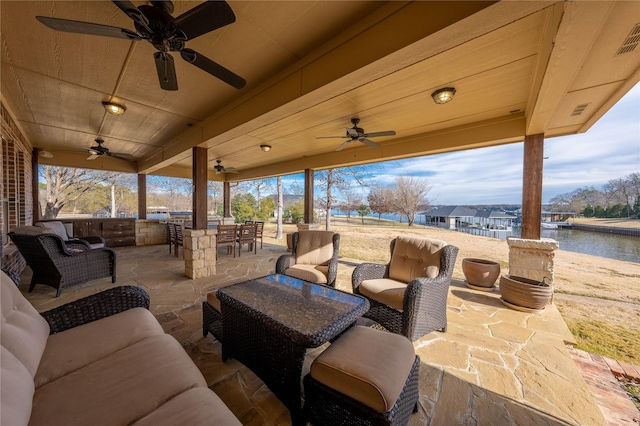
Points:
(610, 149)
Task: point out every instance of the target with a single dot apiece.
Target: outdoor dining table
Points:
(269, 322)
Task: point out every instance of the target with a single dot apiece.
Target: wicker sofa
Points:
(101, 360)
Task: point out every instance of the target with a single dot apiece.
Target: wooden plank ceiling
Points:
(518, 68)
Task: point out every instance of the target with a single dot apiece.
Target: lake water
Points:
(611, 246)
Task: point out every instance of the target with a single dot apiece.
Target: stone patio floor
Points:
(494, 365)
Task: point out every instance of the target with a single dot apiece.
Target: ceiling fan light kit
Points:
(114, 108)
(444, 95)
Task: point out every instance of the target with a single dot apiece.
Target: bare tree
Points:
(380, 200)
(410, 195)
(66, 184)
(332, 179)
(176, 192)
(215, 191)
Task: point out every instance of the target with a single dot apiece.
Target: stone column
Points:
(199, 252)
(531, 259)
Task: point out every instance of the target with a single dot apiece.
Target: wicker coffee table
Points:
(269, 323)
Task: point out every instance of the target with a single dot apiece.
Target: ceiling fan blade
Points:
(166, 71)
(93, 157)
(230, 170)
(134, 13)
(376, 134)
(372, 144)
(333, 137)
(80, 27)
(213, 68)
(204, 18)
(124, 157)
(343, 146)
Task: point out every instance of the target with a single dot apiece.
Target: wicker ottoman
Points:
(366, 377)
(211, 317)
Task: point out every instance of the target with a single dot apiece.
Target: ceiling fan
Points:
(221, 169)
(356, 133)
(99, 150)
(155, 24)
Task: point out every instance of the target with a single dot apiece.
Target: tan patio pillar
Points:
(532, 259)
(199, 252)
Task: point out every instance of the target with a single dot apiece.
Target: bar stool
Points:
(366, 377)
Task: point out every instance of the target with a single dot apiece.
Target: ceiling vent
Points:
(632, 41)
(579, 109)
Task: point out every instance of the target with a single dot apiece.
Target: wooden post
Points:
(226, 199)
(142, 196)
(35, 190)
(199, 170)
(308, 196)
(532, 186)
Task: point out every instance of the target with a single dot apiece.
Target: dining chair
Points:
(259, 229)
(227, 238)
(179, 240)
(171, 235)
(247, 235)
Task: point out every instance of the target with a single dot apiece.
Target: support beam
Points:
(35, 154)
(308, 196)
(532, 186)
(226, 199)
(199, 169)
(142, 196)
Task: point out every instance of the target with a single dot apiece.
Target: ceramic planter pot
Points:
(524, 292)
(480, 272)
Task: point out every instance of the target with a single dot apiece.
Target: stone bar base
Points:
(532, 259)
(199, 252)
(150, 232)
(228, 220)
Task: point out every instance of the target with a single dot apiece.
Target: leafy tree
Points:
(297, 212)
(599, 211)
(380, 200)
(411, 192)
(66, 184)
(267, 205)
(260, 186)
(588, 211)
(243, 207)
(363, 211)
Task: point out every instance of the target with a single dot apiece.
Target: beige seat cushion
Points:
(311, 273)
(80, 346)
(16, 390)
(120, 388)
(314, 247)
(24, 331)
(384, 290)
(368, 365)
(212, 299)
(197, 406)
(415, 257)
(57, 227)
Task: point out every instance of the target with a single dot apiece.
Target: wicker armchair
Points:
(408, 295)
(61, 265)
(314, 257)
